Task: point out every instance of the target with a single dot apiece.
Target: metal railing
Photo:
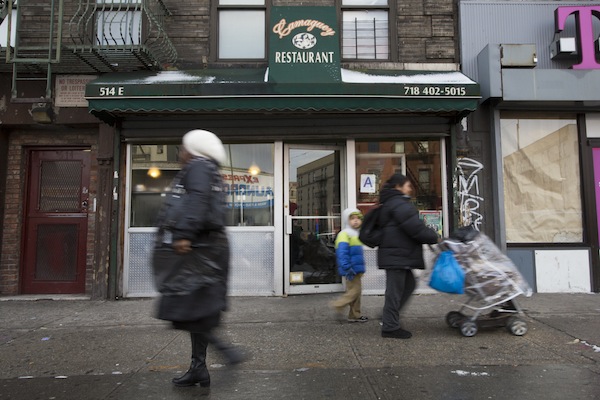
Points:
(127, 26)
(82, 36)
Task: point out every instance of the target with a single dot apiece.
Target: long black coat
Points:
(403, 233)
(194, 286)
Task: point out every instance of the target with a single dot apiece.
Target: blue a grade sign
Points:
(304, 45)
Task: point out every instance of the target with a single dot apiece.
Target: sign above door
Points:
(304, 45)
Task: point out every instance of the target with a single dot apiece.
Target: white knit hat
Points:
(204, 144)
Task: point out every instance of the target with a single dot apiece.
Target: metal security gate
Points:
(56, 212)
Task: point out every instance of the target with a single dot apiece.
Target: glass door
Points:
(313, 183)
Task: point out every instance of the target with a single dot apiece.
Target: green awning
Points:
(248, 90)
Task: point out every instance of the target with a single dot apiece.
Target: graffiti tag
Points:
(468, 192)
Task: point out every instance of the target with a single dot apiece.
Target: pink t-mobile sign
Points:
(584, 16)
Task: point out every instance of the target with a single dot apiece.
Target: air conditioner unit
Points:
(518, 55)
(563, 48)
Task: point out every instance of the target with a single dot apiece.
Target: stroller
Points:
(492, 282)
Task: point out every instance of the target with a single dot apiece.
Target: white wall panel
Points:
(562, 271)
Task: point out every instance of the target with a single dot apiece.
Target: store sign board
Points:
(70, 90)
(304, 45)
(586, 42)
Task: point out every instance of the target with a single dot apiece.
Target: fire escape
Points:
(48, 37)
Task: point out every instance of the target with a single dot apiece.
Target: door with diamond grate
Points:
(54, 247)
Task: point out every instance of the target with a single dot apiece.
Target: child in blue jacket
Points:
(351, 264)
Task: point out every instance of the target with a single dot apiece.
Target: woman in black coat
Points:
(400, 251)
(191, 260)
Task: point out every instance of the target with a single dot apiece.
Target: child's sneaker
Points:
(360, 319)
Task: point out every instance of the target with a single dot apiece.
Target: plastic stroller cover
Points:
(489, 273)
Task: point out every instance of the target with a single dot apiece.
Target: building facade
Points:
(535, 134)
(317, 102)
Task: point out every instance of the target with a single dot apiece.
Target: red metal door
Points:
(54, 249)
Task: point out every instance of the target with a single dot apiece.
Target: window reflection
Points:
(419, 160)
(247, 178)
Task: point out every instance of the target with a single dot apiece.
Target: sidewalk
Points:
(298, 350)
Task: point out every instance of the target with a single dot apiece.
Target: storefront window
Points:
(542, 196)
(247, 176)
(419, 160)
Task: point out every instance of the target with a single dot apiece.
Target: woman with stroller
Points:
(400, 251)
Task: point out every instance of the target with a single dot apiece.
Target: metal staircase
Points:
(37, 46)
(81, 37)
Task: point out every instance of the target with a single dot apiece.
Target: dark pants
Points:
(201, 338)
(399, 285)
(199, 344)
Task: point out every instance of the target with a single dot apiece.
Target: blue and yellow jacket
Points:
(349, 249)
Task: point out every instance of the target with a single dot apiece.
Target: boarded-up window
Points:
(542, 194)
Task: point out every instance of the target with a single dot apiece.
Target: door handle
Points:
(84, 204)
(288, 224)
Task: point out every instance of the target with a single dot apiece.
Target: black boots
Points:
(198, 373)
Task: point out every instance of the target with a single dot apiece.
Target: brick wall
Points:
(19, 142)
(426, 29)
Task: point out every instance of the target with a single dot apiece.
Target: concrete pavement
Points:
(81, 349)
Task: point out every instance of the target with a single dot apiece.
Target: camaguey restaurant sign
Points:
(304, 45)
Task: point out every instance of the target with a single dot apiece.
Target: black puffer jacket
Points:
(403, 233)
(201, 207)
(194, 285)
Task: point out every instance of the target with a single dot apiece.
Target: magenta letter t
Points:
(583, 15)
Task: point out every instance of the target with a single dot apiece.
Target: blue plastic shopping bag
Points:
(447, 275)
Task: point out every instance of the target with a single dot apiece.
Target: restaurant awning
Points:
(249, 90)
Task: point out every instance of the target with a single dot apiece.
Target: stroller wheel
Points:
(516, 326)
(453, 319)
(468, 328)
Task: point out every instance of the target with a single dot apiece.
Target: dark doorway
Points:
(56, 215)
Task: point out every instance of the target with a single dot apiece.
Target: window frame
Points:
(216, 8)
(392, 30)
